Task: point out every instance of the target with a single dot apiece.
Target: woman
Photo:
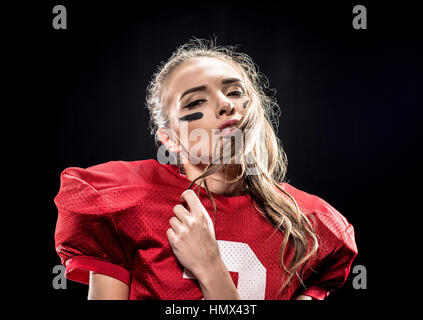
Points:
(213, 219)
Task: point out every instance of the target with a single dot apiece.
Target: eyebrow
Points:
(203, 87)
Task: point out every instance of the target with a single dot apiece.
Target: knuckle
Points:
(183, 233)
(190, 222)
(175, 241)
(202, 218)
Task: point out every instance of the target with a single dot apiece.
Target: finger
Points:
(176, 224)
(192, 201)
(195, 206)
(181, 212)
(171, 236)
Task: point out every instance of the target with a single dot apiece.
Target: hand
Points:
(192, 236)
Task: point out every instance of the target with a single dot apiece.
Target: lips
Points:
(227, 127)
(228, 124)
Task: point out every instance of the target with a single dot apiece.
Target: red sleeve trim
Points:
(78, 269)
(317, 293)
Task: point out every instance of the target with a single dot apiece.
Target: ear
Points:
(167, 137)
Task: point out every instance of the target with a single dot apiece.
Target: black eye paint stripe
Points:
(245, 104)
(192, 116)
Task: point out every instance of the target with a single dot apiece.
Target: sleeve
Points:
(85, 237)
(332, 271)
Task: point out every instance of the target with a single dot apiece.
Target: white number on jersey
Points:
(238, 257)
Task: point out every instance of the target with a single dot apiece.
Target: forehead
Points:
(197, 72)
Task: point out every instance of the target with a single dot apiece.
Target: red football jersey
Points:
(113, 217)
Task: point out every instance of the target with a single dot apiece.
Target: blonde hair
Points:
(263, 149)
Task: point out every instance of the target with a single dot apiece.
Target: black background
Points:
(349, 100)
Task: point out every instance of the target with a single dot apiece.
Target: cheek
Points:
(199, 134)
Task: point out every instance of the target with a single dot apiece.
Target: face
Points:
(201, 95)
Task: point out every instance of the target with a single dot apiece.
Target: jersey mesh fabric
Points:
(113, 217)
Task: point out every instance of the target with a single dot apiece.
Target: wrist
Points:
(213, 271)
(216, 283)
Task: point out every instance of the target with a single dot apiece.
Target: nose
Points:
(225, 106)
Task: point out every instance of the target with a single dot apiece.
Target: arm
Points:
(102, 287)
(216, 283)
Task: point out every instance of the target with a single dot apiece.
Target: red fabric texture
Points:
(113, 217)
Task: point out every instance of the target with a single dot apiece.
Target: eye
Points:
(193, 104)
(236, 93)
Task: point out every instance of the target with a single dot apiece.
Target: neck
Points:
(217, 182)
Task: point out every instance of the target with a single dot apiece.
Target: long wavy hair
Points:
(262, 148)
